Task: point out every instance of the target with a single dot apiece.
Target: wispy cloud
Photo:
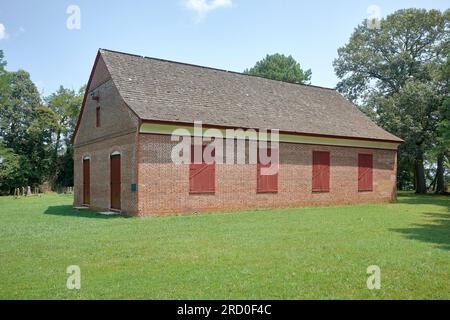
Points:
(19, 32)
(3, 34)
(203, 7)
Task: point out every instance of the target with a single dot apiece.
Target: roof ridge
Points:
(215, 69)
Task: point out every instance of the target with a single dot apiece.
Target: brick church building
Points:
(329, 152)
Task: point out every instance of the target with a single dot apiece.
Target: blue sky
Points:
(226, 34)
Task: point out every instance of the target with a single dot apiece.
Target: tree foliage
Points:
(11, 173)
(3, 79)
(65, 103)
(443, 75)
(35, 132)
(391, 74)
(407, 44)
(280, 67)
(412, 113)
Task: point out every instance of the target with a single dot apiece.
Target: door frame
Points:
(111, 156)
(86, 159)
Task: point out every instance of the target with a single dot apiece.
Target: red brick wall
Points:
(115, 117)
(99, 154)
(117, 132)
(163, 187)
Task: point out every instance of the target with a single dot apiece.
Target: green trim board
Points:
(184, 130)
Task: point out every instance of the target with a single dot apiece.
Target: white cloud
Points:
(3, 34)
(202, 7)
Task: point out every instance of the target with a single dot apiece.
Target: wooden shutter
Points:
(365, 172)
(202, 176)
(97, 117)
(266, 183)
(86, 181)
(321, 171)
(115, 182)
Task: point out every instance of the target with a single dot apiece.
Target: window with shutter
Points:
(264, 182)
(202, 176)
(321, 171)
(97, 117)
(365, 172)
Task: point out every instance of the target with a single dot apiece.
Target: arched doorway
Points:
(115, 180)
(86, 180)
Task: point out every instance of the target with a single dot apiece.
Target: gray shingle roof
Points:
(170, 91)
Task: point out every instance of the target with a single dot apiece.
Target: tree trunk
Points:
(419, 170)
(440, 185)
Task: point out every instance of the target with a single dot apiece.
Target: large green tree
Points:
(388, 72)
(3, 79)
(34, 134)
(66, 104)
(441, 147)
(412, 113)
(280, 67)
(11, 170)
(26, 127)
(20, 103)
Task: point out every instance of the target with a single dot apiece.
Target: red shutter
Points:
(326, 172)
(365, 172)
(115, 182)
(202, 176)
(86, 181)
(266, 183)
(97, 117)
(321, 171)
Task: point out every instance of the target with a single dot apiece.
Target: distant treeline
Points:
(35, 132)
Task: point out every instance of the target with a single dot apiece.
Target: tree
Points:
(65, 173)
(442, 144)
(3, 79)
(280, 67)
(4, 92)
(411, 113)
(378, 66)
(35, 137)
(40, 136)
(26, 126)
(18, 111)
(2, 63)
(11, 173)
(66, 104)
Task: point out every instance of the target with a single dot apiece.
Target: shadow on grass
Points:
(437, 231)
(438, 200)
(69, 211)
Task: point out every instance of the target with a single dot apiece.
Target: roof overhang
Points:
(168, 128)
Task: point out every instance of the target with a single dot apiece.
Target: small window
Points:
(365, 172)
(202, 176)
(321, 171)
(266, 183)
(97, 117)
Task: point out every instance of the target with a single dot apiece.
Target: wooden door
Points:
(86, 182)
(115, 182)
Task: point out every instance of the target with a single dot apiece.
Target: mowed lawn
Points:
(267, 254)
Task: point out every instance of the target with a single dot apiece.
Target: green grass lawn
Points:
(269, 254)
